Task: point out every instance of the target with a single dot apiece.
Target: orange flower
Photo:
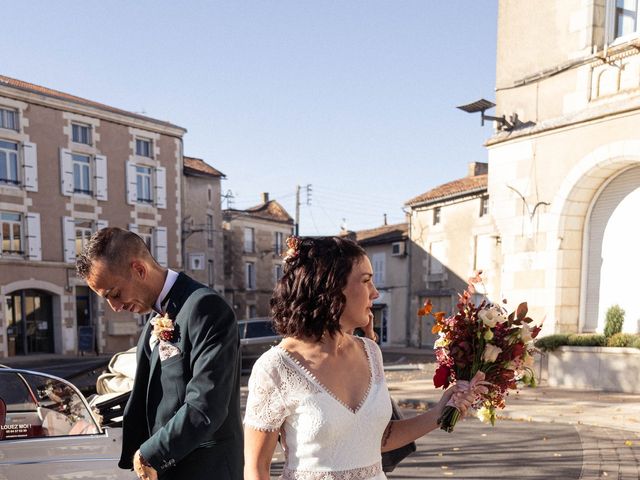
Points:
(439, 316)
(426, 308)
(436, 328)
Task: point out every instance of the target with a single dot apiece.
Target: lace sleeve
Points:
(266, 409)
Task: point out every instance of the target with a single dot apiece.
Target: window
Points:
(251, 311)
(8, 119)
(81, 133)
(436, 258)
(249, 240)
(625, 21)
(143, 148)
(146, 234)
(378, 264)
(11, 232)
(250, 275)
(143, 184)
(209, 231)
(436, 215)
(8, 162)
(81, 173)
(484, 205)
(84, 229)
(277, 247)
(210, 272)
(277, 273)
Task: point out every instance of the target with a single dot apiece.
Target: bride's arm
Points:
(258, 452)
(401, 432)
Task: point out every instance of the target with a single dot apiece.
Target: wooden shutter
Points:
(30, 166)
(161, 187)
(69, 239)
(34, 242)
(101, 177)
(132, 184)
(66, 172)
(160, 245)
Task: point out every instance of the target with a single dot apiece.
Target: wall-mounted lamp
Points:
(482, 105)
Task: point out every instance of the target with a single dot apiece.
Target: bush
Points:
(551, 342)
(587, 340)
(613, 321)
(622, 340)
(636, 342)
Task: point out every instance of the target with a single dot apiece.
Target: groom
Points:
(182, 420)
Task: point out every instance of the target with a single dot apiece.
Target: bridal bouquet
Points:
(482, 338)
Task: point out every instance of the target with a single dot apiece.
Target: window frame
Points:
(12, 223)
(84, 166)
(437, 215)
(249, 244)
(85, 228)
(141, 176)
(82, 127)
(8, 152)
(4, 115)
(142, 141)
(484, 205)
(250, 275)
(613, 18)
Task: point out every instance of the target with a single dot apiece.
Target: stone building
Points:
(254, 241)
(386, 247)
(69, 166)
(564, 166)
(452, 234)
(202, 243)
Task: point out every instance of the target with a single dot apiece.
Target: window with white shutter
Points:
(378, 264)
(101, 177)
(160, 244)
(161, 187)
(132, 184)
(66, 172)
(34, 242)
(69, 239)
(30, 166)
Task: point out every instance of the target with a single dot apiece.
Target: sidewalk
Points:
(413, 387)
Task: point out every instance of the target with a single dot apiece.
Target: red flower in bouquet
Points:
(482, 338)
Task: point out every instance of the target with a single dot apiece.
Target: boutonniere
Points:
(163, 328)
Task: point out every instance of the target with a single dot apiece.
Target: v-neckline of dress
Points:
(312, 377)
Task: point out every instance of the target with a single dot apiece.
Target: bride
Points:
(323, 389)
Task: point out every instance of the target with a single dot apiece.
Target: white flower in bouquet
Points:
(490, 353)
(491, 316)
(525, 333)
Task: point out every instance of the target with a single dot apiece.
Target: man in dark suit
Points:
(182, 420)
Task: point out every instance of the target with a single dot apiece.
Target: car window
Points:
(259, 329)
(39, 406)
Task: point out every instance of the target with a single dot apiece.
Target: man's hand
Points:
(143, 470)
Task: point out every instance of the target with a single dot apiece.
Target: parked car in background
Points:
(256, 337)
(48, 430)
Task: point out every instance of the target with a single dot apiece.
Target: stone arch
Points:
(57, 298)
(570, 209)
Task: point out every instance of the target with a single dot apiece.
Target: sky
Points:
(355, 98)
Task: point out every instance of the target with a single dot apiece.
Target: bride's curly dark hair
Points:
(308, 300)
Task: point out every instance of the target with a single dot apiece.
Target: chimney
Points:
(385, 218)
(265, 197)
(477, 168)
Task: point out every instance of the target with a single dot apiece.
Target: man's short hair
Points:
(113, 245)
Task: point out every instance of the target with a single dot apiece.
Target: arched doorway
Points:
(29, 322)
(612, 261)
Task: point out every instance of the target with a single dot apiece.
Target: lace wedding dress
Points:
(326, 439)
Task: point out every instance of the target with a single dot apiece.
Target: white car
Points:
(49, 431)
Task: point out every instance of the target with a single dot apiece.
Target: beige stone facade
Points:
(254, 240)
(202, 223)
(69, 166)
(452, 234)
(564, 183)
(386, 247)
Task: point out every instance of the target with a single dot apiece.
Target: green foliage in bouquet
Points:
(613, 321)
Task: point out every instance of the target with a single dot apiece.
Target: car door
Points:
(48, 431)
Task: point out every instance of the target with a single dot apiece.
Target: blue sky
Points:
(356, 98)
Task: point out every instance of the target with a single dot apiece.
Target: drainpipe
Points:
(407, 334)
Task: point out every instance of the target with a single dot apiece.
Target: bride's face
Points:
(360, 293)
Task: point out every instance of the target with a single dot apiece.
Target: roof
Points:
(197, 166)
(458, 188)
(270, 210)
(380, 235)
(33, 88)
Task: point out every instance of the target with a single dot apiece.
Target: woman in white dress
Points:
(323, 389)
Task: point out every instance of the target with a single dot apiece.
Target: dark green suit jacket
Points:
(184, 412)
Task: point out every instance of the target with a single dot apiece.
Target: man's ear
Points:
(139, 269)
